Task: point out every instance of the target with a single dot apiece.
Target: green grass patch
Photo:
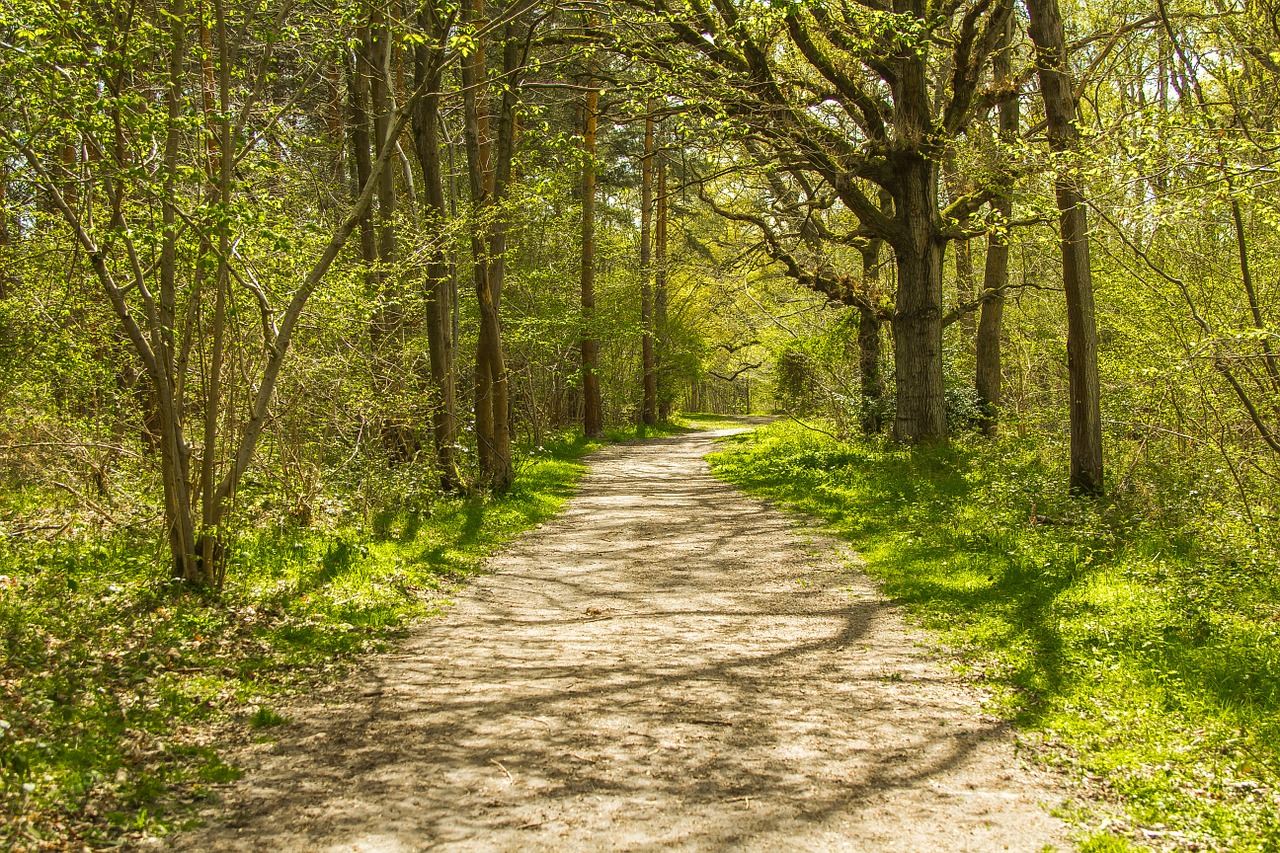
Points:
(116, 686)
(1141, 650)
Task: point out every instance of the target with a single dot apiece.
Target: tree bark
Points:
(1082, 335)
(917, 323)
(995, 278)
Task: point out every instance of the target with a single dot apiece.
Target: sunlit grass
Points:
(1145, 656)
(111, 677)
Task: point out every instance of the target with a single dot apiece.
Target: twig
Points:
(831, 436)
(510, 778)
(126, 451)
(93, 506)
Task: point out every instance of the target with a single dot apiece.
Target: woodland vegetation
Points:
(305, 307)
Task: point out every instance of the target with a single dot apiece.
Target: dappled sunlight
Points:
(666, 665)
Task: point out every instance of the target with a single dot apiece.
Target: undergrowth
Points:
(1138, 639)
(118, 688)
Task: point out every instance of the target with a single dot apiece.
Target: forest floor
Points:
(667, 665)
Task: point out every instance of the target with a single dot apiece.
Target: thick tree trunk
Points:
(917, 323)
(1082, 335)
(592, 417)
(649, 410)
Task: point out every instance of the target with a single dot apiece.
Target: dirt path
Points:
(668, 666)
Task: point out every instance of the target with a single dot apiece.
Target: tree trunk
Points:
(965, 290)
(649, 411)
(872, 383)
(660, 293)
(995, 276)
(592, 419)
(426, 134)
(386, 329)
(917, 323)
(6, 239)
(361, 147)
(212, 567)
(1082, 334)
(987, 371)
(175, 458)
(477, 148)
(493, 432)
(490, 317)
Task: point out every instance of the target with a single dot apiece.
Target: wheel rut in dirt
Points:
(667, 665)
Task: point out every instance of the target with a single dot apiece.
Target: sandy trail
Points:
(669, 665)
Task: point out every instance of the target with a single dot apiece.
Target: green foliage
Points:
(110, 679)
(1138, 643)
(795, 387)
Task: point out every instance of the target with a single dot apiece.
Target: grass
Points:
(117, 688)
(1140, 646)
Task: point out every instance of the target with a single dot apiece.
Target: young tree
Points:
(995, 278)
(428, 77)
(649, 370)
(593, 416)
(136, 217)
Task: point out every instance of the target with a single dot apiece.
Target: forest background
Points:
(305, 308)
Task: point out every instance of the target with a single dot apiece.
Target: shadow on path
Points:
(669, 665)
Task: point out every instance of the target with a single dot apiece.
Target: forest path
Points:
(668, 665)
